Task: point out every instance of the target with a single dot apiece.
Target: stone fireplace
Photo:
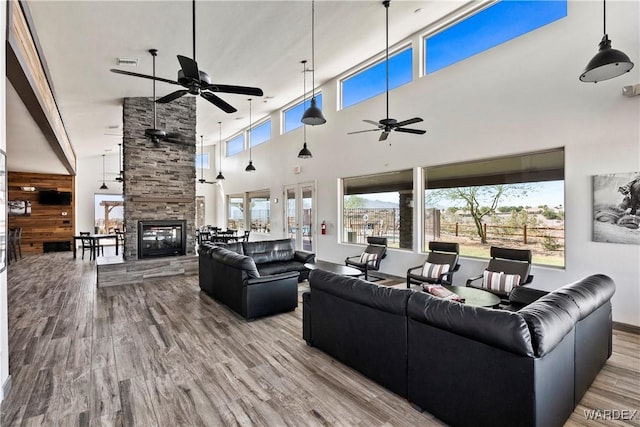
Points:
(161, 238)
(159, 178)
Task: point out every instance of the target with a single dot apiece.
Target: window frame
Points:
(306, 100)
(406, 45)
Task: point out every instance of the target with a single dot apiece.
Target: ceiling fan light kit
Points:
(607, 63)
(388, 124)
(313, 115)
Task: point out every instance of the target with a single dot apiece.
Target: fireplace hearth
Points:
(161, 238)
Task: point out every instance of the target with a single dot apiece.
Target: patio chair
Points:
(370, 259)
(507, 269)
(438, 268)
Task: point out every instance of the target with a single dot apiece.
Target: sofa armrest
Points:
(525, 295)
(306, 317)
(304, 257)
(273, 278)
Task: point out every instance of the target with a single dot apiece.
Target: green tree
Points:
(479, 201)
(353, 202)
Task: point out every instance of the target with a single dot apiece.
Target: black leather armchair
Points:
(509, 262)
(370, 259)
(441, 253)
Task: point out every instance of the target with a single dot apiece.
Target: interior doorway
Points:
(300, 215)
(109, 213)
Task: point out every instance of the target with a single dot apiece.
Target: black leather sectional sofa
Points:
(254, 279)
(467, 365)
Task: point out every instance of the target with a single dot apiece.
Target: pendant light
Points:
(220, 177)
(304, 153)
(607, 63)
(120, 176)
(250, 167)
(104, 185)
(313, 115)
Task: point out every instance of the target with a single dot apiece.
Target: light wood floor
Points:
(163, 354)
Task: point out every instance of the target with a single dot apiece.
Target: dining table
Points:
(96, 242)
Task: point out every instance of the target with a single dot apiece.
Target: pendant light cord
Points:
(249, 133)
(386, 6)
(304, 96)
(103, 169)
(154, 91)
(604, 16)
(201, 159)
(220, 143)
(193, 14)
(313, 51)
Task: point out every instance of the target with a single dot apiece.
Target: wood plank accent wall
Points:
(46, 222)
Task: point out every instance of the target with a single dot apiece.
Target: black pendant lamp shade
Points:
(250, 167)
(304, 153)
(313, 116)
(220, 177)
(607, 63)
(104, 185)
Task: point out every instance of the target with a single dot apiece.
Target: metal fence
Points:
(359, 223)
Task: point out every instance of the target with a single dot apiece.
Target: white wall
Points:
(4, 316)
(519, 97)
(88, 182)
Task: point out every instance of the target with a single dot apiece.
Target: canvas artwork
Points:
(19, 207)
(616, 208)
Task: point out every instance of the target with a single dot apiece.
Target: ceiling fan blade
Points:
(189, 67)
(409, 122)
(218, 102)
(384, 135)
(144, 76)
(372, 122)
(174, 95)
(241, 90)
(361, 131)
(416, 131)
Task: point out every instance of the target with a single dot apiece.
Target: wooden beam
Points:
(26, 73)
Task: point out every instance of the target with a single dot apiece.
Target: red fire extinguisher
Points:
(323, 227)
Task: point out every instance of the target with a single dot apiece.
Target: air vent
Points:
(128, 61)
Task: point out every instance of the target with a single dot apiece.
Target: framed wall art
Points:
(616, 208)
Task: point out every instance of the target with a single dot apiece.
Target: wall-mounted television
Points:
(52, 197)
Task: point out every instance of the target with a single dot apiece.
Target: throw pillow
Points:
(433, 271)
(499, 281)
(442, 292)
(367, 258)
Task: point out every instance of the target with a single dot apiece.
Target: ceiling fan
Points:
(197, 82)
(388, 124)
(202, 180)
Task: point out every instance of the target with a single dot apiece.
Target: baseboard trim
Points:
(6, 388)
(625, 327)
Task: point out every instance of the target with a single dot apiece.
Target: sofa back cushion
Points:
(235, 260)
(232, 246)
(589, 293)
(269, 250)
(360, 291)
(502, 329)
(550, 319)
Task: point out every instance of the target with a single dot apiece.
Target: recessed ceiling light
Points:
(127, 61)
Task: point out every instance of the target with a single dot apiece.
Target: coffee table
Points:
(474, 296)
(343, 270)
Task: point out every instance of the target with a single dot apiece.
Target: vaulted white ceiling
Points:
(250, 43)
